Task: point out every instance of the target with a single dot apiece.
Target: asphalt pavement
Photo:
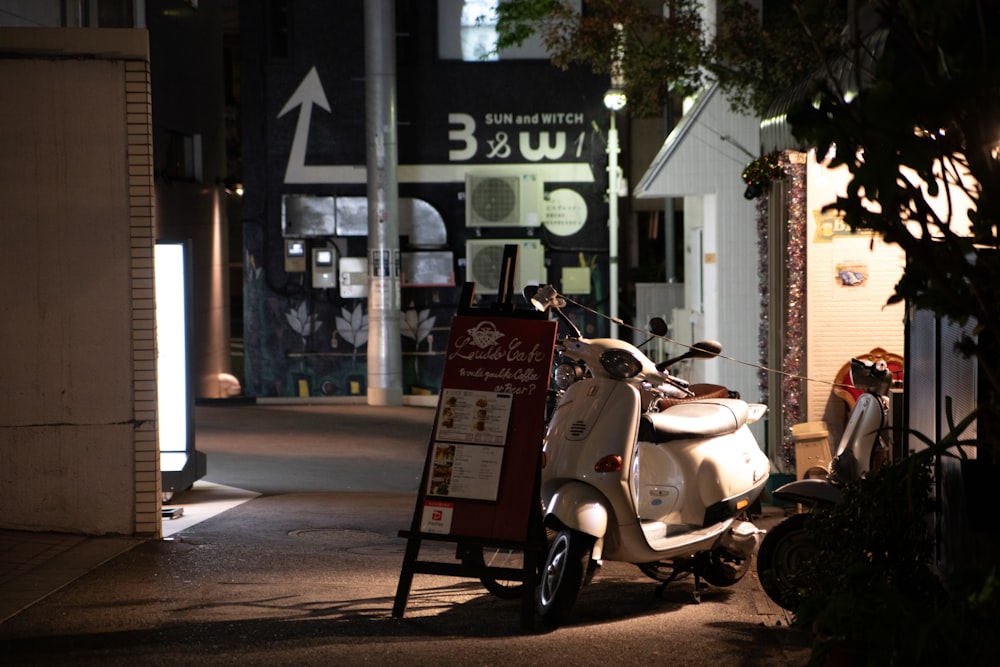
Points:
(287, 553)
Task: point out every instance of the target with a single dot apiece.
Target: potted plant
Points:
(871, 592)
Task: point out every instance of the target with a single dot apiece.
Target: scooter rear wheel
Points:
(724, 569)
(780, 557)
(562, 576)
(664, 571)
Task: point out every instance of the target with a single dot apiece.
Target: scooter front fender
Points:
(809, 492)
(580, 507)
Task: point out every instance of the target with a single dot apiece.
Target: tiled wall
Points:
(140, 193)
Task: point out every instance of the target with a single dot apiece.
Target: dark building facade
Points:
(490, 153)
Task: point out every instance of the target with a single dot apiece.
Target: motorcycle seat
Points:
(701, 418)
(701, 391)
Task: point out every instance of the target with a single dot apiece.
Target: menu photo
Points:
(469, 444)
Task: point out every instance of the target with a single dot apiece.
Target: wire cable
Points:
(786, 374)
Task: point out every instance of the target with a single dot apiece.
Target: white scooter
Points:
(861, 448)
(640, 467)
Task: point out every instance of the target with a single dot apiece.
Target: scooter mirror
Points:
(543, 297)
(705, 349)
(658, 326)
(529, 293)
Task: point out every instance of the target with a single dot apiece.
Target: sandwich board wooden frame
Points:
(480, 484)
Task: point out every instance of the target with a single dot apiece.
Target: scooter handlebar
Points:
(673, 383)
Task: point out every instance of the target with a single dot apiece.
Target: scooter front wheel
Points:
(780, 557)
(505, 558)
(562, 576)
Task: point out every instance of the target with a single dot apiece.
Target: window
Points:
(467, 31)
(183, 157)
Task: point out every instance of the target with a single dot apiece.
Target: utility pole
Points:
(614, 100)
(614, 148)
(385, 376)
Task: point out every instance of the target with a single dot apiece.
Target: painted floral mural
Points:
(303, 343)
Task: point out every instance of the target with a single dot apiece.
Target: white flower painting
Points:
(302, 321)
(417, 325)
(352, 326)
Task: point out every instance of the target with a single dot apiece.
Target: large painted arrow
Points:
(310, 92)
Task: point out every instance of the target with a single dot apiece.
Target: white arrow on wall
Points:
(310, 92)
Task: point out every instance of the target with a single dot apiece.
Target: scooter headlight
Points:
(566, 374)
(620, 364)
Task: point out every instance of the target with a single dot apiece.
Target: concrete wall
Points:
(187, 90)
(77, 359)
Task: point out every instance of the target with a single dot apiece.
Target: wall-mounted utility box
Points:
(295, 256)
(324, 275)
(353, 277)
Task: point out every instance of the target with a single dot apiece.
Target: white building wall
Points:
(843, 321)
(702, 161)
(737, 293)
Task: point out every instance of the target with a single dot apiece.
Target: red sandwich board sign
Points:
(488, 429)
(480, 481)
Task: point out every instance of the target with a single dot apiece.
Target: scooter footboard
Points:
(580, 507)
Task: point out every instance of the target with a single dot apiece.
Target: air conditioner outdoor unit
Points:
(502, 200)
(483, 259)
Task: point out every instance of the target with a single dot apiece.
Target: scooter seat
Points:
(694, 418)
(702, 391)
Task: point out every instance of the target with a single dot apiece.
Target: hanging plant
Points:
(760, 172)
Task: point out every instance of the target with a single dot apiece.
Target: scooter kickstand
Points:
(698, 588)
(666, 582)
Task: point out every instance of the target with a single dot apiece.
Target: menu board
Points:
(484, 449)
(469, 442)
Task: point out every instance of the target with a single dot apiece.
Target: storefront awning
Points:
(850, 73)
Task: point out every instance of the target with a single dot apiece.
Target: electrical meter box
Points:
(576, 280)
(295, 256)
(323, 273)
(353, 277)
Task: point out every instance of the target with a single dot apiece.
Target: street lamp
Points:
(615, 101)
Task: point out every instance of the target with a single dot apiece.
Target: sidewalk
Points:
(35, 565)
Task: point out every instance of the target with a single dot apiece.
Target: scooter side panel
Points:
(734, 465)
(675, 482)
(854, 452)
(595, 419)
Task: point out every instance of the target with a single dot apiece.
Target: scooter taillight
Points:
(609, 463)
(545, 459)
